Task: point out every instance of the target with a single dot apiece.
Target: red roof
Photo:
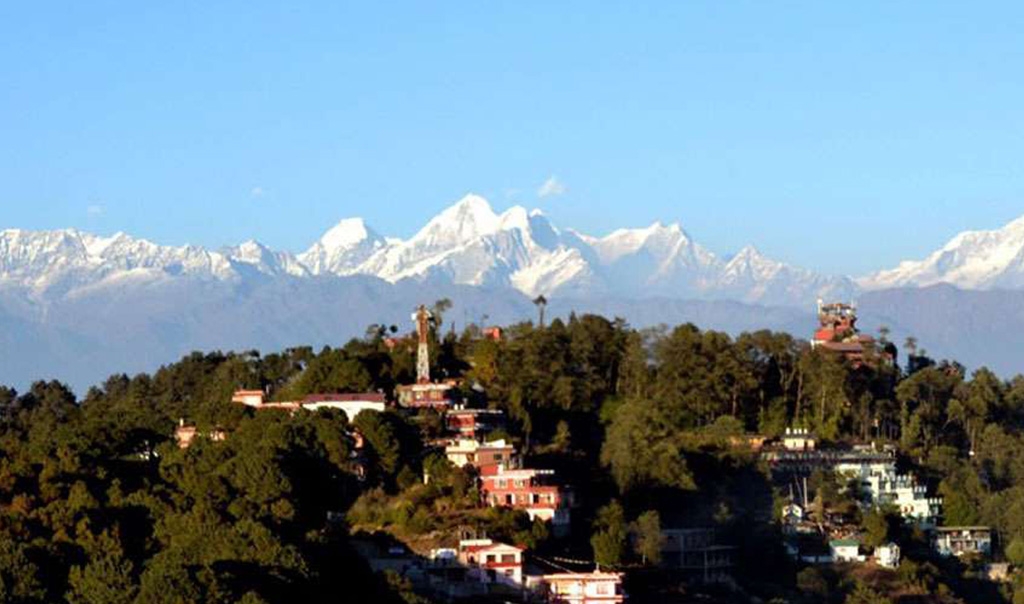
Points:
(824, 335)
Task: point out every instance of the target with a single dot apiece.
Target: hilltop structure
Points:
(425, 392)
(838, 332)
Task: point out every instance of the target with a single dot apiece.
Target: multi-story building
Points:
(837, 332)
(474, 423)
(491, 562)
(467, 452)
(904, 492)
(962, 540)
(888, 555)
(535, 491)
(433, 395)
(874, 469)
(698, 552)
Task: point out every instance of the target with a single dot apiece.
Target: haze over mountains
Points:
(79, 306)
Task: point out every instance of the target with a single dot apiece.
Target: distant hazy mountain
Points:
(78, 306)
(974, 327)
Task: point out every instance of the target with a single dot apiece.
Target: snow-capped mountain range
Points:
(466, 244)
(470, 244)
(78, 306)
(971, 260)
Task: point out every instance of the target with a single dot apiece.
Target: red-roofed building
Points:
(838, 332)
(491, 562)
(474, 423)
(535, 491)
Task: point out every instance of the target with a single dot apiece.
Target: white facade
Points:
(252, 398)
(884, 486)
(845, 551)
(351, 408)
(491, 562)
(584, 588)
(888, 556)
(798, 439)
(469, 452)
(962, 540)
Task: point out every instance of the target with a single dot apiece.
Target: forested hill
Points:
(99, 505)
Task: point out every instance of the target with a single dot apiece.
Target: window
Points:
(508, 558)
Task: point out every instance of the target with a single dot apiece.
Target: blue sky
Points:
(838, 136)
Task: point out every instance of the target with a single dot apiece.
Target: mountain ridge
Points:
(468, 243)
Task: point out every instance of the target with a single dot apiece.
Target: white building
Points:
(962, 540)
(884, 486)
(888, 555)
(351, 403)
(583, 588)
(845, 550)
(798, 439)
(491, 562)
(469, 452)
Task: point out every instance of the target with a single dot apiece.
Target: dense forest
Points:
(99, 505)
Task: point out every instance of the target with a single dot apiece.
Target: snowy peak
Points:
(343, 248)
(347, 234)
(469, 218)
(254, 256)
(468, 243)
(659, 239)
(970, 260)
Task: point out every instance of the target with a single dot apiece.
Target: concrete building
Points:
(433, 395)
(799, 439)
(962, 540)
(351, 403)
(888, 555)
(474, 423)
(845, 550)
(535, 491)
(491, 562)
(698, 552)
(583, 588)
(466, 452)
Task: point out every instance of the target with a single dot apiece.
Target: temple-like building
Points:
(838, 332)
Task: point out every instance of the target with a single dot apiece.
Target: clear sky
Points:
(837, 136)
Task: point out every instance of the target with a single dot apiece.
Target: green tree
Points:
(647, 537)
(610, 538)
